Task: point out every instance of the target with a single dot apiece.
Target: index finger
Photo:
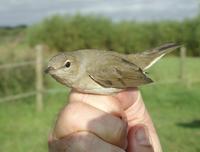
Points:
(128, 97)
(137, 114)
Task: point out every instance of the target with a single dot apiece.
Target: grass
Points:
(174, 107)
(23, 129)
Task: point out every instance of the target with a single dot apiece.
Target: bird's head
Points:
(64, 68)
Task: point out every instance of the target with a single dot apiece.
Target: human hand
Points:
(99, 123)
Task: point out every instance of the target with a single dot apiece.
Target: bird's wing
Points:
(117, 72)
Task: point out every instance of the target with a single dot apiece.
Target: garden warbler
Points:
(104, 72)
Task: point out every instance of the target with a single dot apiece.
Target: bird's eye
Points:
(67, 64)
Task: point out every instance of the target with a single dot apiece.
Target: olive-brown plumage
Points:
(104, 72)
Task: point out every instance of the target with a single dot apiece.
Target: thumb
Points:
(139, 140)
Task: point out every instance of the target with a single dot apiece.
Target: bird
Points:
(104, 72)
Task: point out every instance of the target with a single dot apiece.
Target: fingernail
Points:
(142, 137)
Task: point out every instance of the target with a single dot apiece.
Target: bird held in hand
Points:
(104, 72)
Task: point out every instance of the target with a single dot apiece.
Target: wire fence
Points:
(39, 89)
(39, 86)
(16, 65)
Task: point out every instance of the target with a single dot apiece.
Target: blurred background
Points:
(31, 31)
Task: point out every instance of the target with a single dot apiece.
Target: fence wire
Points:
(18, 96)
(16, 65)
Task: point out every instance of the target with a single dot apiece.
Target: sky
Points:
(17, 12)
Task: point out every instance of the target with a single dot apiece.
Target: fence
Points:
(38, 62)
(39, 88)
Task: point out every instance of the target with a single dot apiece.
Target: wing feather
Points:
(117, 72)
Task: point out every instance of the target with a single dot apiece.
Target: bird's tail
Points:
(147, 58)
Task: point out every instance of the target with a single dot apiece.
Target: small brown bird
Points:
(104, 72)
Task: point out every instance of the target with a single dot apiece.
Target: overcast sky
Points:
(15, 12)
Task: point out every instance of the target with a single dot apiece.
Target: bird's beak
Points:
(48, 69)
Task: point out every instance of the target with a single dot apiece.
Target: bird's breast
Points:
(86, 85)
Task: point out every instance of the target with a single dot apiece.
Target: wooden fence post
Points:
(39, 77)
(182, 64)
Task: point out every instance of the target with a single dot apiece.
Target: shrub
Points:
(79, 32)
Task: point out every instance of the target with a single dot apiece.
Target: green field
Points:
(174, 107)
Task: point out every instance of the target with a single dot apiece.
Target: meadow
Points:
(174, 107)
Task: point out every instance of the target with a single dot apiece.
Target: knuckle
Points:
(120, 133)
(67, 120)
(72, 112)
(121, 128)
(79, 142)
(114, 106)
